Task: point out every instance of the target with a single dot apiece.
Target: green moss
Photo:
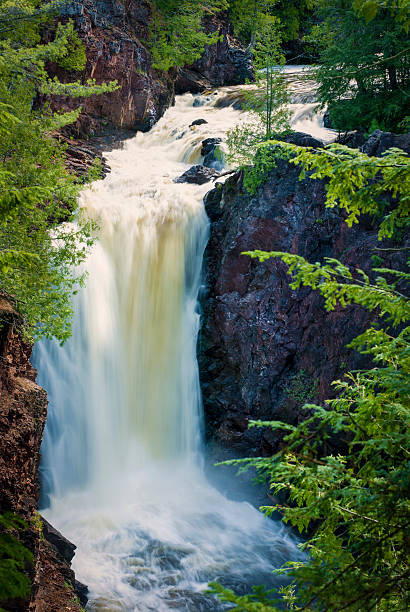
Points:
(302, 387)
(15, 559)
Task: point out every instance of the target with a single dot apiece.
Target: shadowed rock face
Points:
(198, 175)
(225, 63)
(264, 349)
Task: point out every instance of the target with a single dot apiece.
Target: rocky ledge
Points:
(264, 349)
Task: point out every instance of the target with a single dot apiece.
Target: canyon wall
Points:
(265, 349)
(23, 412)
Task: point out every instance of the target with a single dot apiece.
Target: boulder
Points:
(354, 139)
(198, 122)
(197, 175)
(211, 153)
(378, 142)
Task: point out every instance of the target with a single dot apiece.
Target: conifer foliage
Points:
(38, 253)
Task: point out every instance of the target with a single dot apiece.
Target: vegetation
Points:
(353, 507)
(15, 559)
(267, 102)
(248, 16)
(364, 71)
(177, 33)
(38, 252)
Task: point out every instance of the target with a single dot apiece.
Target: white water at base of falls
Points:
(122, 465)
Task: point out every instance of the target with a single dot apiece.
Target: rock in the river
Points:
(198, 122)
(199, 101)
(198, 175)
(265, 349)
(211, 153)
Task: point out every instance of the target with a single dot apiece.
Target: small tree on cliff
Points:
(267, 103)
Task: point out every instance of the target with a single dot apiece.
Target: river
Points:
(122, 458)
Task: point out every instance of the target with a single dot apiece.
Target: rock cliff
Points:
(116, 34)
(23, 411)
(264, 349)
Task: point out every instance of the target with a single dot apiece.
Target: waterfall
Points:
(121, 459)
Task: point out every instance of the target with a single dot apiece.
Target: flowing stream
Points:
(122, 467)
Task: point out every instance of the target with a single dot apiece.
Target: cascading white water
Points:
(121, 454)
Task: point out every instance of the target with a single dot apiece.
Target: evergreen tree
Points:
(364, 75)
(38, 252)
(177, 33)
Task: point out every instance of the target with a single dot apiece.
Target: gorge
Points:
(180, 340)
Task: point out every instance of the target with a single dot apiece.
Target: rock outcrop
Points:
(264, 349)
(23, 411)
(116, 37)
(225, 63)
(198, 175)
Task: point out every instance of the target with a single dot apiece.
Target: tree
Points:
(177, 35)
(365, 66)
(267, 102)
(352, 506)
(43, 236)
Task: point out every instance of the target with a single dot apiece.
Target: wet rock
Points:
(198, 102)
(64, 547)
(378, 142)
(198, 175)
(198, 122)
(81, 590)
(211, 153)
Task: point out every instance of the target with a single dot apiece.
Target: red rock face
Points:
(23, 414)
(116, 36)
(23, 411)
(264, 349)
